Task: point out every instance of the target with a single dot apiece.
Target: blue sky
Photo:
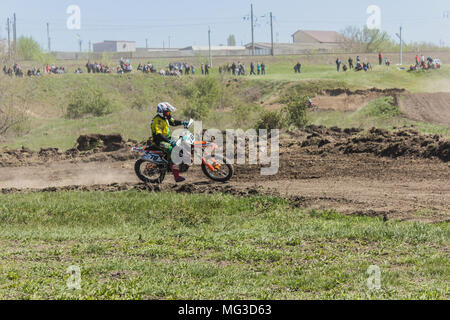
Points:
(186, 22)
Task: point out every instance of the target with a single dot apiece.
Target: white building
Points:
(216, 50)
(115, 46)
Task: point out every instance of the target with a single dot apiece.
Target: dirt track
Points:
(347, 173)
(425, 107)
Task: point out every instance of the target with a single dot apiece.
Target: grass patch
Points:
(133, 245)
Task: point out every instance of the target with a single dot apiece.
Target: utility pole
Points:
(271, 33)
(401, 46)
(15, 38)
(146, 43)
(80, 42)
(90, 46)
(8, 26)
(48, 37)
(399, 35)
(209, 42)
(253, 31)
(169, 42)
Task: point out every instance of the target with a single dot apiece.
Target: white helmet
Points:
(165, 110)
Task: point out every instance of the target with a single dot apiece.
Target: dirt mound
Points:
(106, 143)
(427, 107)
(405, 142)
(90, 148)
(347, 100)
(348, 92)
(191, 188)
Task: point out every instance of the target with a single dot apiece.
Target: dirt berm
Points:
(382, 143)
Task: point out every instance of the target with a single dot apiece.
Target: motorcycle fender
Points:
(210, 167)
(153, 158)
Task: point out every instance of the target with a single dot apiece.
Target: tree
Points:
(366, 40)
(231, 41)
(13, 113)
(29, 49)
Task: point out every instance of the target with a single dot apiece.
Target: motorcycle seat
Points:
(153, 148)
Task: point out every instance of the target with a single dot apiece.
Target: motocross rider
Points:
(162, 136)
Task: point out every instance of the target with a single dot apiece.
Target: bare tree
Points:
(13, 111)
(365, 39)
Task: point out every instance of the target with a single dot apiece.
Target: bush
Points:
(271, 120)
(294, 114)
(382, 107)
(241, 115)
(296, 111)
(88, 101)
(204, 96)
(13, 113)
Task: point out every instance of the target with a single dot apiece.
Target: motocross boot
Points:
(176, 174)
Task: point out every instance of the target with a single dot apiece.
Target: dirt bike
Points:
(154, 164)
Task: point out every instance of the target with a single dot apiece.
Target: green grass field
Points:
(46, 99)
(133, 245)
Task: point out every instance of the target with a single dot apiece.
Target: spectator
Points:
(252, 69)
(380, 58)
(263, 68)
(338, 64)
(350, 63)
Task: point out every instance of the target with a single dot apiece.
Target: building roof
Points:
(115, 41)
(213, 48)
(323, 36)
(268, 45)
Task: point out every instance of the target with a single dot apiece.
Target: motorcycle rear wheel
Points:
(149, 172)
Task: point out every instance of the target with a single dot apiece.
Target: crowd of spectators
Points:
(239, 69)
(359, 66)
(16, 70)
(425, 64)
(96, 68)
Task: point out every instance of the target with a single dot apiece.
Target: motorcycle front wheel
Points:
(221, 173)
